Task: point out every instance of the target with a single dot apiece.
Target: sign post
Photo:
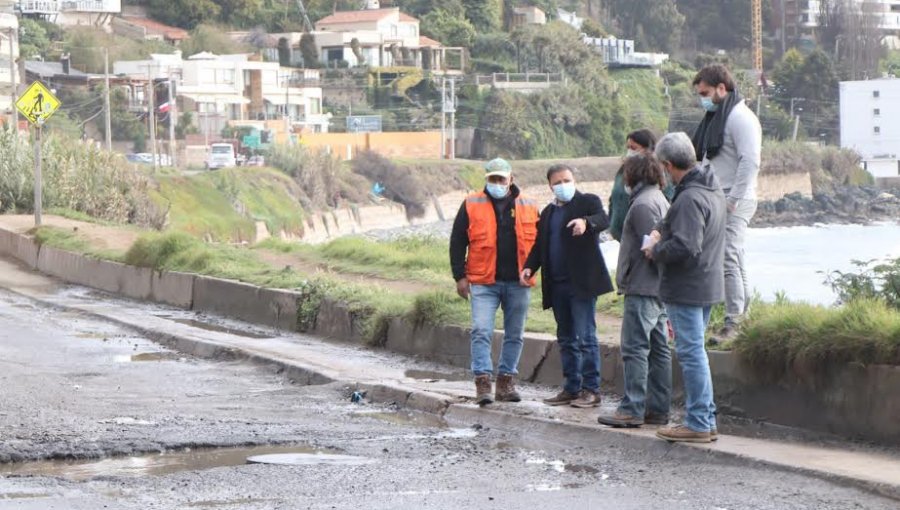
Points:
(37, 105)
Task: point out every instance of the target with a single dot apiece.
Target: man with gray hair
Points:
(689, 248)
(728, 141)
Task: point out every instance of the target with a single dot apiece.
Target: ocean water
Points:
(790, 259)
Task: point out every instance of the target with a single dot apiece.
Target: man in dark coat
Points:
(568, 250)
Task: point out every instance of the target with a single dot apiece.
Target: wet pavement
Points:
(93, 416)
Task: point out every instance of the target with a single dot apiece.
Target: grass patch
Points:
(69, 240)
(225, 205)
(783, 338)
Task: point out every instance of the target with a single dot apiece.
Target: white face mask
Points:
(628, 189)
(631, 152)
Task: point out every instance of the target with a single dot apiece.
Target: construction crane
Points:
(756, 32)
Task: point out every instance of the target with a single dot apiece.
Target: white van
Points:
(221, 155)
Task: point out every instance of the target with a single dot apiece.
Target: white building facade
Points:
(223, 88)
(870, 123)
(72, 12)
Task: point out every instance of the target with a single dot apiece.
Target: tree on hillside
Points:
(211, 38)
(485, 15)
(814, 80)
(653, 24)
(853, 36)
(448, 28)
(184, 13)
(33, 39)
(241, 13)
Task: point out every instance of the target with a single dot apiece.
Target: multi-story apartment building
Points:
(800, 18)
(870, 123)
(220, 89)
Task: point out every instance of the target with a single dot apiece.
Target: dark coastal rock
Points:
(850, 204)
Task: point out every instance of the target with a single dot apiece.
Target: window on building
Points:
(877, 130)
(315, 106)
(225, 76)
(876, 112)
(876, 93)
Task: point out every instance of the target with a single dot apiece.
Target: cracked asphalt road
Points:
(72, 387)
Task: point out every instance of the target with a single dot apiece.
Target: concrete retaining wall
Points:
(850, 400)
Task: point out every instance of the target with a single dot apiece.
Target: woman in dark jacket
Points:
(642, 141)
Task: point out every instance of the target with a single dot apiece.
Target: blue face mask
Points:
(564, 191)
(708, 104)
(497, 191)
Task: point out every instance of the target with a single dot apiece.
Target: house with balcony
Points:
(373, 38)
(71, 12)
(226, 90)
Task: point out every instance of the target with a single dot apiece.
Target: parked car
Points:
(146, 158)
(221, 155)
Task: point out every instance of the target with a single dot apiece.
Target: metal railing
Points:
(491, 79)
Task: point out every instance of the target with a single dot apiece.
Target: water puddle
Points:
(23, 495)
(157, 464)
(148, 356)
(215, 327)
(432, 376)
(404, 418)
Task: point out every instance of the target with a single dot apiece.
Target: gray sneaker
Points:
(619, 419)
(563, 398)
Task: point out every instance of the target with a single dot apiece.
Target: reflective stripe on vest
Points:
(481, 262)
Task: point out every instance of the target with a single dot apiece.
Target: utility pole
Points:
(38, 182)
(796, 127)
(443, 118)
(106, 106)
(453, 120)
(173, 119)
(152, 100)
(12, 76)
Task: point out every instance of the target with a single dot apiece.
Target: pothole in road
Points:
(404, 418)
(208, 326)
(148, 356)
(174, 462)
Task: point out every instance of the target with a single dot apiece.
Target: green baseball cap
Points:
(498, 166)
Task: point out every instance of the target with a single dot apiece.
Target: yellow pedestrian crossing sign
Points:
(37, 104)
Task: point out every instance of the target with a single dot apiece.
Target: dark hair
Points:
(559, 167)
(643, 168)
(713, 75)
(643, 137)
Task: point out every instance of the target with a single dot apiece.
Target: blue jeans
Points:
(576, 332)
(690, 323)
(647, 359)
(513, 299)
